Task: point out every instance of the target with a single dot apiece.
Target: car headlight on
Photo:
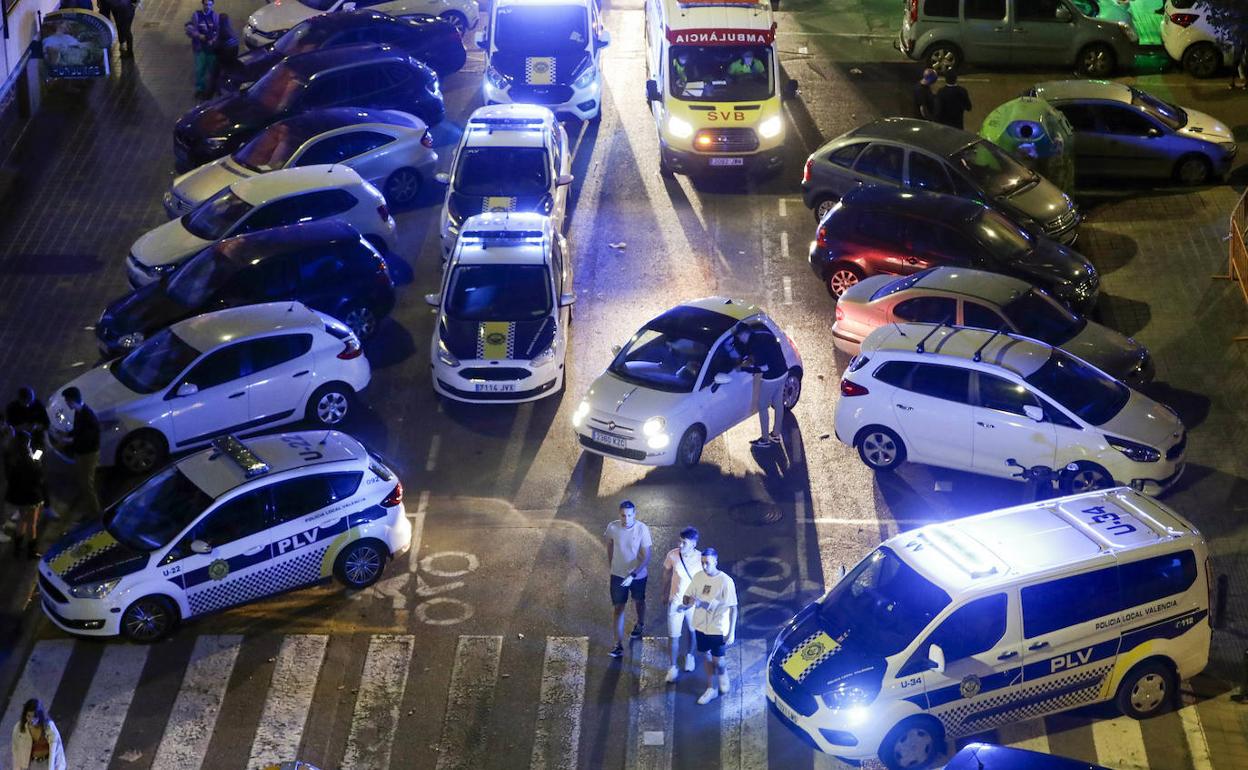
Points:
(216, 142)
(496, 78)
(131, 339)
(1229, 146)
(1140, 453)
(94, 590)
(444, 355)
(656, 436)
(585, 78)
(771, 127)
(578, 416)
(546, 356)
(851, 698)
(679, 127)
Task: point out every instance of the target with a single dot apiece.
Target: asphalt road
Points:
(487, 647)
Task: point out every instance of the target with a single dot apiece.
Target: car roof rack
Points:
(991, 337)
(919, 347)
(242, 456)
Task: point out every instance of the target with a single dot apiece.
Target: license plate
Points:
(727, 161)
(788, 713)
(610, 440)
(494, 387)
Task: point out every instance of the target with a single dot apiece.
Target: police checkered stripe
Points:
(957, 721)
(496, 204)
(824, 654)
(304, 568)
(539, 70)
(511, 341)
(82, 552)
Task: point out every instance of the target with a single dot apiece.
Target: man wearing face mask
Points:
(712, 599)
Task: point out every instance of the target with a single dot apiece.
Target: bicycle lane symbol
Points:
(433, 608)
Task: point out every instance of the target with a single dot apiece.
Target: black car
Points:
(429, 39)
(325, 265)
(376, 76)
(891, 230)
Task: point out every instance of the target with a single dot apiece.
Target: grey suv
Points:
(905, 152)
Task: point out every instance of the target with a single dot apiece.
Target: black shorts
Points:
(712, 643)
(620, 593)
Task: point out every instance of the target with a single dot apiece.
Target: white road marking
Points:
(653, 713)
(1197, 742)
(783, 207)
(435, 443)
(104, 710)
(194, 713)
(40, 678)
(289, 699)
(557, 734)
(788, 289)
(1028, 735)
(743, 715)
(376, 716)
(418, 530)
(1119, 741)
(469, 703)
(784, 247)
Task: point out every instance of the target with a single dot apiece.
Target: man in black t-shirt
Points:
(761, 356)
(952, 102)
(924, 97)
(83, 447)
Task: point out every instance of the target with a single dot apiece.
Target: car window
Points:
(322, 271)
(325, 90)
(882, 160)
(930, 238)
(1149, 580)
(981, 316)
(985, 9)
(308, 494)
(970, 630)
(845, 156)
(949, 383)
(332, 149)
(236, 519)
(947, 9)
(219, 367)
(722, 362)
(366, 141)
(1004, 396)
(895, 373)
(287, 211)
(1124, 120)
(927, 173)
(927, 310)
(268, 352)
(153, 365)
(1080, 116)
(154, 513)
(1036, 10)
(1069, 601)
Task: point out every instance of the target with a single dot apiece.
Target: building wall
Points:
(23, 26)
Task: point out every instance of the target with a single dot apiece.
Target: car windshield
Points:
(659, 360)
(1095, 397)
(213, 218)
(153, 515)
(541, 28)
(499, 293)
(901, 284)
(200, 278)
(881, 606)
(271, 149)
(509, 172)
(721, 73)
(1173, 116)
(276, 89)
(1003, 238)
(992, 169)
(153, 364)
(1035, 315)
(298, 38)
(1088, 8)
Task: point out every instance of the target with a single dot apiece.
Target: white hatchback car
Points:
(1190, 39)
(676, 385)
(275, 199)
(511, 157)
(226, 526)
(391, 149)
(271, 21)
(503, 311)
(970, 400)
(239, 370)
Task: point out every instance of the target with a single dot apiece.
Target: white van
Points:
(960, 627)
(713, 84)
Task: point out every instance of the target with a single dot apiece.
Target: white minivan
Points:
(963, 626)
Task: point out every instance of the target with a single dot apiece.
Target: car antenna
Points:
(325, 437)
(897, 326)
(993, 336)
(919, 347)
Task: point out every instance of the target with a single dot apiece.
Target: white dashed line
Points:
(435, 443)
(418, 529)
(784, 245)
(781, 204)
(788, 290)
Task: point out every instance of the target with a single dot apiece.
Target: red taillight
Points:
(821, 238)
(849, 388)
(350, 348)
(383, 211)
(912, 7)
(395, 497)
(806, 171)
(1184, 19)
(840, 312)
(427, 139)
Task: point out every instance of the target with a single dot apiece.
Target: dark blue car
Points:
(985, 756)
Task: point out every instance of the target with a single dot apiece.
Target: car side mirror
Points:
(483, 40)
(790, 90)
(199, 546)
(1063, 13)
(433, 300)
(442, 177)
(567, 299)
(564, 179)
(615, 350)
(604, 39)
(652, 91)
(1153, 133)
(723, 378)
(936, 659)
(187, 389)
(1034, 412)
(245, 87)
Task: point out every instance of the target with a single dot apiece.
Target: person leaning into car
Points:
(760, 355)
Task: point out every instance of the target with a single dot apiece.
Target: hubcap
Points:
(1096, 62)
(403, 186)
(1087, 480)
(1149, 693)
(823, 208)
(914, 749)
(362, 321)
(145, 621)
(942, 59)
(331, 408)
(792, 389)
(1204, 62)
(840, 281)
(693, 445)
(1192, 171)
(879, 449)
(139, 454)
(459, 22)
(363, 564)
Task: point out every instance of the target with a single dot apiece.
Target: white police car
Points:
(503, 311)
(225, 526)
(511, 157)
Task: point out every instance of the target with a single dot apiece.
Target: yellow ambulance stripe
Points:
(77, 554)
(494, 338)
(812, 653)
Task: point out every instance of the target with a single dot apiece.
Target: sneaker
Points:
(707, 696)
(673, 674)
(760, 442)
(638, 630)
(617, 651)
(691, 663)
(774, 438)
(723, 683)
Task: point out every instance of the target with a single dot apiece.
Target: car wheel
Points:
(841, 277)
(402, 187)
(329, 405)
(1202, 60)
(1147, 690)
(823, 206)
(362, 320)
(943, 57)
(792, 390)
(1193, 170)
(360, 564)
(149, 619)
(457, 20)
(665, 168)
(1096, 61)
(689, 451)
(143, 451)
(1086, 477)
(880, 448)
(914, 744)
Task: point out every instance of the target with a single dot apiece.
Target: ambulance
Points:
(713, 84)
(960, 627)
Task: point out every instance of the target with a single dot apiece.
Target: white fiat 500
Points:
(971, 399)
(226, 526)
(271, 21)
(503, 311)
(677, 385)
(239, 370)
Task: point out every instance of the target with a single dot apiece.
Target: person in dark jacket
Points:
(924, 97)
(26, 491)
(762, 356)
(83, 446)
(952, 102)
(204, 30)
(123, 16)
(27, 413)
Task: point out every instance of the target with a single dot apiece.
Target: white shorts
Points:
(677, 622)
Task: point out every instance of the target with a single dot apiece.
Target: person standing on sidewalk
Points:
(83, 446)
(26, 491)
(123, 16)
(952, 102)
(924, 97)
(679, 566)
(628, 554)
(36, 743)
(762, 356)
(27, 413)
(712, 597)
(204, 30)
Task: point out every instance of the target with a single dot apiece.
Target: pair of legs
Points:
(620, 594)
(679, 628)
(27, 528)
(769, 393)
(205, 72)
(86, 501)
(711, 646)
(124, 19)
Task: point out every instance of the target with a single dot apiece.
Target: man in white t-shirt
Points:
(712, 596)
(628, 553)
(679, 567)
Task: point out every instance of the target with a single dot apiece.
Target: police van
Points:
(713, 84)
(225, 526)
(960, 627)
